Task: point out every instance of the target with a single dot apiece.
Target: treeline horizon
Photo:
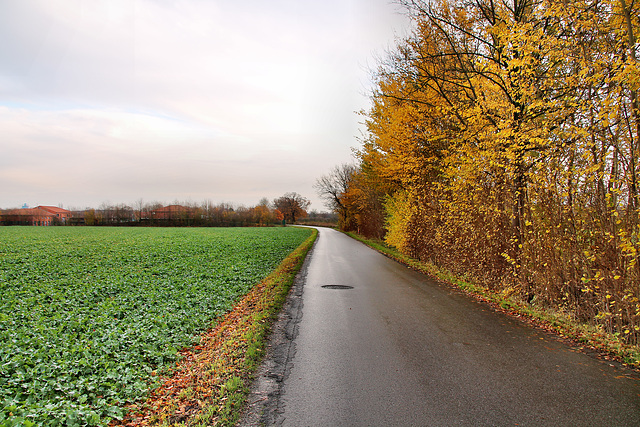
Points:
(291, 208)
(503, 145)
(203, 214)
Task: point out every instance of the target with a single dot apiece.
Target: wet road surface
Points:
(398, 349)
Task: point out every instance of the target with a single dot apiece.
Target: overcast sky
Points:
(189, 100)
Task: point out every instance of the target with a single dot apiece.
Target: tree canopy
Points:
(292, 206)
(503, 143)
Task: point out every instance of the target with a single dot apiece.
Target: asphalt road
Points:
(399, 349)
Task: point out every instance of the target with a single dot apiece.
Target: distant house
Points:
(40, 216)
(172, 212)
(174, 215)
(26, 216)
(60, 214)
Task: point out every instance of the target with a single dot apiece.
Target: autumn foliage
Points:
(291, 207)
(503, 144)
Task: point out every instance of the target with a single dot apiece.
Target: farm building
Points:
(173, 212)
(62, 215)
(41, 215)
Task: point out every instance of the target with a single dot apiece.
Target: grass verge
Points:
(586, 337)
(210, 383)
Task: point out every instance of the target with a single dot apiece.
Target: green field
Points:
(88, 314)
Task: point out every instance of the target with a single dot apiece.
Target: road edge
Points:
(263, 401)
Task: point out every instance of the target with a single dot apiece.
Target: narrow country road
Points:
(398, 349)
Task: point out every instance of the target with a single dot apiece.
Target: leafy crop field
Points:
(88, 315)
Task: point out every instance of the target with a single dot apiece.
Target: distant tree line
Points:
(288, 209)
(206, 214)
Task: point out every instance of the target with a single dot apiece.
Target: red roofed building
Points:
(26, 216)
(172, 212)
(174, 215)
(42, 215)
(60, 214)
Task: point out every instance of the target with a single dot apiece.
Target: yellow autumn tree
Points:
(504, 142)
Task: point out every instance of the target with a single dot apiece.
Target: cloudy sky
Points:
(112, 101)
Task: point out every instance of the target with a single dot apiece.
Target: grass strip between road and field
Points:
(586, 337)
(210, 384)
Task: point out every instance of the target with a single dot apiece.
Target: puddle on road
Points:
(337, 287)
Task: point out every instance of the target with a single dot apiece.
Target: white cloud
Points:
(187, 98)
